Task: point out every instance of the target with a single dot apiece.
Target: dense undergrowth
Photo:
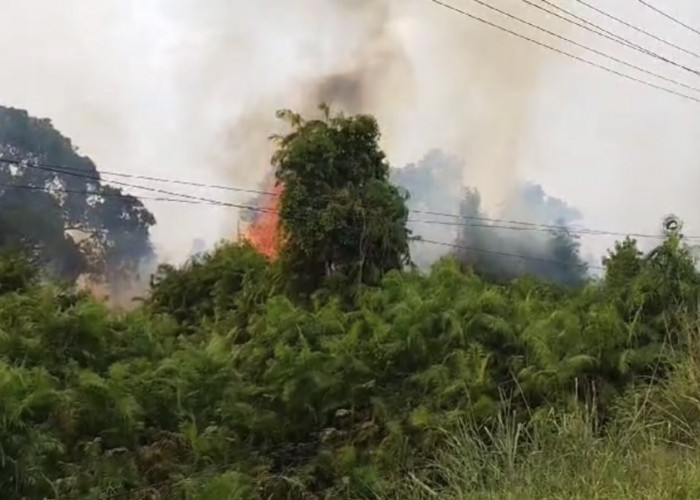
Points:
(221, 387)
(336, 371)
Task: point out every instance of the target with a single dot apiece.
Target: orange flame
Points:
(262, 233)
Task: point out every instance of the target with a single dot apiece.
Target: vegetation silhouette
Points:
(45, 213)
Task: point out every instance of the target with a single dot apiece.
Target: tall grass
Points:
(650, 450)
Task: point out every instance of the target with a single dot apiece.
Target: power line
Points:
(524, 226)
(531, 226)
(97, 178)
(605, 33)
(137, 176)
(75, 172)
(637, 29)
(80, 173)
(583, 46)
(496, 252)
(491, 222)
(481, 222)
(207, 201)
(588, 25)
(416, 239)
(669, 16)
(101, 194)
(198, 200)
(562, 52)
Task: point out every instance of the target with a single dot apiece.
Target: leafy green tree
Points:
(54, 207)
(647, 287)
(670, 287)
(342, 221)
(624, 263)
(32, 222)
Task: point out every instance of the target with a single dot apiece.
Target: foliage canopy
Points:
(225, 385)
(341, 218)
(55, 208)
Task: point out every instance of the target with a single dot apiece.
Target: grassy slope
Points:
(650, 450)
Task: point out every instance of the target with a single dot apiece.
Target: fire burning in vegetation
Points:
(262, 233)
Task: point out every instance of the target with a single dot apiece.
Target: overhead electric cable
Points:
(97, 178)
(76, 172)
(481, 222)
(490, 221)
(669, 16)
(198, 200)
(563, 52)
(41, 189)
(583, 46)
(496, 252)
(607, 34)
(79, 172)
(637, 29)
(417, 239)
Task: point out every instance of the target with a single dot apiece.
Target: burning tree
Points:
(343, 221)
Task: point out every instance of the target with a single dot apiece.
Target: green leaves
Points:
(55, 210)
(222, 383)
(344, 223)
(211, 286)
(325, 374)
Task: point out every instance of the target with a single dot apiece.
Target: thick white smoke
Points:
(187, 89)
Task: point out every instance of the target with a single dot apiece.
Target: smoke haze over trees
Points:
(105, 235)
(330, 367)
(527, 234)
(55, 208)
(130, 91)
(330, 370)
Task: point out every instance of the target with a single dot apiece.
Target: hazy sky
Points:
(171, 87)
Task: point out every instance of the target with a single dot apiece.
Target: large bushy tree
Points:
(341, 219)
(54, 206)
